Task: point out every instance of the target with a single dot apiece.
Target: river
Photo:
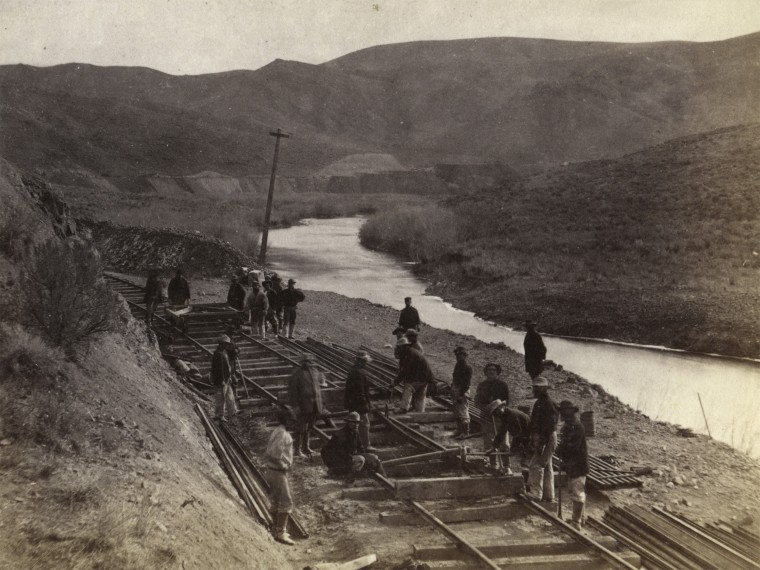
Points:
(326, 255)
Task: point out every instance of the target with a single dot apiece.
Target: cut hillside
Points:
(103, 462)
(660, 247)
(528, 103)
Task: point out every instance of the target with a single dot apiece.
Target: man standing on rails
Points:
(460, 392)
(357, 395)
(278, 459)
(221, 378)
(305, 394)
(409, 318)
(489, 390)
(345, 456)
(415, 374)
(573, 454)
(543, 438)
(274, 300)
(154, 294)
(259, 305)
(179, 290)
(535, 350)
(236, 294)
(290, 297)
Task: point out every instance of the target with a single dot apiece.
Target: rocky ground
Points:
(702, 478)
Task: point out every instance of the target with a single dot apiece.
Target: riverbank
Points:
(702, 478)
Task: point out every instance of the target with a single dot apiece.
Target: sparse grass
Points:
(18, 227)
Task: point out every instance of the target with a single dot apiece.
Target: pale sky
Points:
(202, 36)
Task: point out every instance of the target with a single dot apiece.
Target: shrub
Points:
(17, 229)
(65, 292)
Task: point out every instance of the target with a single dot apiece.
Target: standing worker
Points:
(415, 373)
(179, 290)
(357, 394)
(543, 438)
(535, 350)
(460, 392)
(290, 297)
(277, 288)
(221, 378)
(573, 454)
(236, 294)
(278, 459)
(409, 318)
(305, 393)
(274, 299)
(259, 305)
(154, 294)
(489, 390)
(510, 422)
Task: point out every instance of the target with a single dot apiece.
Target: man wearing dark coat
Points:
(236, 294)
(222, 379)
(543, 438)
(489, 390)
(573, 454)
(415, 374)
(305, 394)
(290, 298)
(179, 289)
(345, 456)
(357, 394)
(154, 294)
(535, 351)
(409, 318)
(512, 422)
(461, 379)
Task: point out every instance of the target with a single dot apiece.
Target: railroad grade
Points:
(443, 485)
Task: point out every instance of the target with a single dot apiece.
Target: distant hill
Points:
(522, 102)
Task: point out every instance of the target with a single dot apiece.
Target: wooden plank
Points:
(421, 469)
(495, 512)
(366, 494)
(427, 417)
(564, 561)
(453, 452)
(511, 548)
(459, 487)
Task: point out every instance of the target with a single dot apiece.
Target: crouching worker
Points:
(279, 460)
(345, 455)
(512, 422)
(573, 454)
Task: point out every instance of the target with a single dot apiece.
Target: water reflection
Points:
(326, 255)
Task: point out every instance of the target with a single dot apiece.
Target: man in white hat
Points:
(345, 456)
(356, 394)
(543, 436)
(221, 378)
(305, 394)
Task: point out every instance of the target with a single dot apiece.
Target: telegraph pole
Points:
(265, 234)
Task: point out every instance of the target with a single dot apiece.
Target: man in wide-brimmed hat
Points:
(489, 390)
(236, 294)
(345, 456)
(415, 374)
(221, 378)
(356, 394)
(573, 454)
(461, 380)
(543, 436)
(535, 350)
(290, 298)
(305, 394)
(509, 422)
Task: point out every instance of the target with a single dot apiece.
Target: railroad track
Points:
(435, 481)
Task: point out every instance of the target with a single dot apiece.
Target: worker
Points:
(236, 294)
(461, 380)
(258, 305)
(233, 352)
(512, 423)
(277, 288)
(415, 374)
(398, 332)
(154, 294)
(278, 459)
(345, 455)
(543, 440)
(274, 299)
(305, 393)
(356, 394)
(489, 390)
(221, 378)
(179, 290)
(409, 317)
(414, 342)
(290, 298)
(535, 350)
(573, 455)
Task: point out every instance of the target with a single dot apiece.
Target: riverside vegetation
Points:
(660, 246)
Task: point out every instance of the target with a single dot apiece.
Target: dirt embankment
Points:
(131, 249)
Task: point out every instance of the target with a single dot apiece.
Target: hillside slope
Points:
(661, 246)
(528, 103)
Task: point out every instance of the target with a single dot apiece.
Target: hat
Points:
(353, 418)
(399, 330)
(403, 341)
(491, 408)
(540, 381)
(224, 339)
(363, 355)
(567, 407)
(492, 365)
(530, 323)
(460, 350)
(407, 298)
(291, 280)
(411, 332)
